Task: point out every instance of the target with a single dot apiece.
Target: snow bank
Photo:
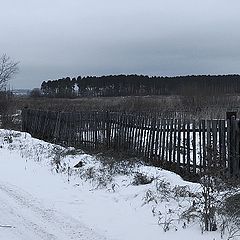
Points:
(94, 194)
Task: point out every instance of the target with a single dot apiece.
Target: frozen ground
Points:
(42, 196)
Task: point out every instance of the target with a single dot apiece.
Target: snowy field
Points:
(43, 196)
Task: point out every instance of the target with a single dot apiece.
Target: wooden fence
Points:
(189, 146)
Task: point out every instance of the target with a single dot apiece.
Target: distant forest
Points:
(139, 85)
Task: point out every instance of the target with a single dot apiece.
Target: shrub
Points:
(141, 179)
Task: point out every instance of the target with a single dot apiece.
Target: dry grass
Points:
(205, 107)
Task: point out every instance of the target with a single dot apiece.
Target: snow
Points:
(41, 201)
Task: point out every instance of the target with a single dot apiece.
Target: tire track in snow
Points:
(30, 220)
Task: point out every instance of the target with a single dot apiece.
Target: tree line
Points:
(140, 85)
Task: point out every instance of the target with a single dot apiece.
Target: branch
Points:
(8, 68)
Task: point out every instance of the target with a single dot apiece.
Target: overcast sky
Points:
(59, 38)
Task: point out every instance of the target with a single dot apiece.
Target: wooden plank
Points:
(96, 130)
(228, 146)
(233, 144)
(194, 146)
(167, 140)
(200, 146)
(129, 124)
(72, 129)
(160, 139)
(128, 132)
(85, 128)
(214, 143)
(184, 143)
(157, 142)
(188, 146)
(78, 130)
(164, 126)
(137, 139)
(222, 144)
(209, 147)
(153, 138)
(114, 130)
(237, 139)
(89, 123)
(170, 147)
(92, 130)
(179, 123)
(174, 140)
(204, 145)
(141, 152)
(82, 129)
(124, 133)
(147, 137)
(120, 130)
(135, 134)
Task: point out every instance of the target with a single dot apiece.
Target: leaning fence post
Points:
(237, 160)
(108, 129)
(233, 151)
(57, 127)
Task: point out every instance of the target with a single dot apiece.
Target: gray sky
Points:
(59, 38)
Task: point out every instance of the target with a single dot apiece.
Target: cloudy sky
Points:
(59, 38)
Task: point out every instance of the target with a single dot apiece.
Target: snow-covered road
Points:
(24, 217)
(33, 199)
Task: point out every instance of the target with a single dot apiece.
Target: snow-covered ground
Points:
(43, 196)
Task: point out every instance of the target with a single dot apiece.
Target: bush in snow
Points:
(141, 179)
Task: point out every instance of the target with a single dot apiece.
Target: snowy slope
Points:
(41, 201)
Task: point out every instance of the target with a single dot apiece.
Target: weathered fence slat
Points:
(194, 147)
(179, 143)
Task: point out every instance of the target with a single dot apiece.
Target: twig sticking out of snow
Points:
(6, 226)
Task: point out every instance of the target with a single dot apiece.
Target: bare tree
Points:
(8, 68)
